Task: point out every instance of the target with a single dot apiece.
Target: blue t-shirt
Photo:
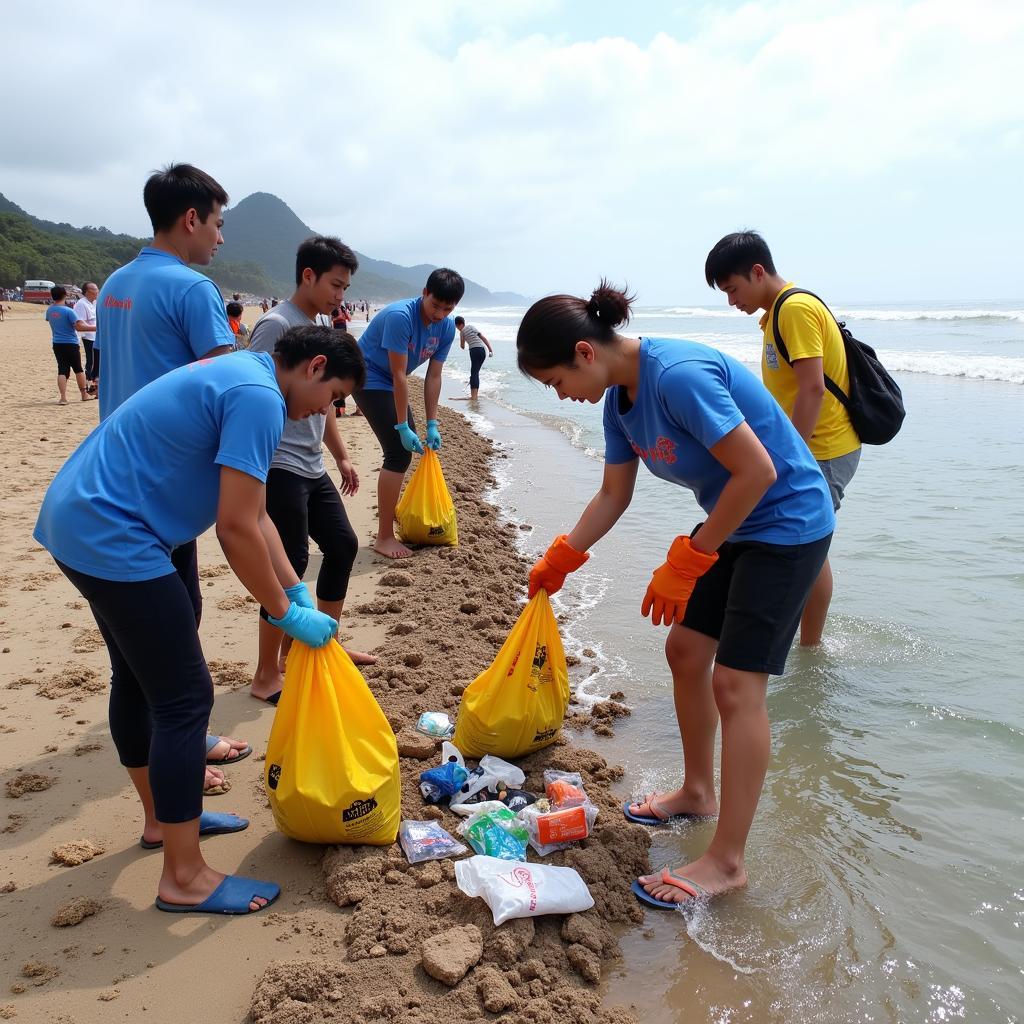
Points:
(688, 398)
(400, 328)
(62, 320)
(152, 316)
(148, 477)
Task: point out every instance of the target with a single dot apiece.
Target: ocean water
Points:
(886, 861)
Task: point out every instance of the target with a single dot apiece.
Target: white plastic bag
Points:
(517, 889)
(487, 775)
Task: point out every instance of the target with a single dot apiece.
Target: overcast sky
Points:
(536, 145)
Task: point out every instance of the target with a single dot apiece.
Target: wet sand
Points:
(344, 941)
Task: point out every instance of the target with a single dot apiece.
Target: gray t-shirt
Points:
(301, 448)
(471, 336)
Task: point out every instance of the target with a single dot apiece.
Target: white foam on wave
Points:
(1006, 315)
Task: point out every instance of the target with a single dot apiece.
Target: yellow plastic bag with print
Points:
(425, 512)
(517, 705)
(331, 773)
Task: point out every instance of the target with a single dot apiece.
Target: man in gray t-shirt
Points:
(470, 337)
(302, 500)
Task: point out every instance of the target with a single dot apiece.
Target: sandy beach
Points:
(83, 941)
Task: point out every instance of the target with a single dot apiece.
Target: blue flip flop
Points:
(232, 896)
(688, 885)
(211, 823)
(643, 819)
(212, 741)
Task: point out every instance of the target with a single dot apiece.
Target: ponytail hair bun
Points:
(609, 306)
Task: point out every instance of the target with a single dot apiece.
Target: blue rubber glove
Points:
(313, 628)
(410, 442)
(433, 435)
(299, 593)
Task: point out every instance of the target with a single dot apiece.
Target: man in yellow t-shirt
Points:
(741, 265)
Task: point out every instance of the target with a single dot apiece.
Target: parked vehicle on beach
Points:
(37, 291)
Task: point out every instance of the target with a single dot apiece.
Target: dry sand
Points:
(344, 942)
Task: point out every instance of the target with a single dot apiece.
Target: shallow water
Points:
(886, 861)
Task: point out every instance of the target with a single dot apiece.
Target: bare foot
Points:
(706, 875)
(190, 892)
(225, 751)
(265, 683)
(358, 658)
(679, 801)
(214, 784)
(86, 397)
(62, 401)
(389, 547)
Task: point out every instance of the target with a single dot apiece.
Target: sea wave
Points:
(974, 315)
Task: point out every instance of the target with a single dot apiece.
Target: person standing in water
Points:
(732, 589)
(479, 350)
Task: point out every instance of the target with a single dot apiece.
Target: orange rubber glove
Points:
(559, 560)
(672, 583)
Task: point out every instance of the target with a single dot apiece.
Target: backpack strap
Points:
(831, 386)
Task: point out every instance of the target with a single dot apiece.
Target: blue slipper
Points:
(688, 885)
(642, 819)
(211, 823)
(212, 741)
(232, 896)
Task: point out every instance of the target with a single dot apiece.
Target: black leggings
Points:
(476, 360)
(91, 373)
(379, 409)
(301, 508)
(161, 694)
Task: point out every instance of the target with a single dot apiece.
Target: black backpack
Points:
(875, 402)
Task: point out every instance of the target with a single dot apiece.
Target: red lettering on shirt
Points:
(663, 451)
(111, 303)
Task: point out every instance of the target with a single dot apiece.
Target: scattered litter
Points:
(498, 833)
(436, 724)
(439, 784)
(557, 829)
(426, 840)
(522, 890)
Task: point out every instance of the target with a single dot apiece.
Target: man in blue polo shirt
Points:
(65, 326)
(156, 314)
(400, 338)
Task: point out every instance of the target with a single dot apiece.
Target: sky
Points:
(538, 145)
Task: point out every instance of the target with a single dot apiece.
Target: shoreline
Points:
(302, 953)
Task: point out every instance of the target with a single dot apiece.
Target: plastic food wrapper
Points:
(468, 810)
(426, 840)
(564, 789)
(557, 829)
(517, 704)
(425, 512)
(491, 774)
(498, 833)
(516, 799)
(436, 724)
(522, 890)
(439, 784)
(331, 773)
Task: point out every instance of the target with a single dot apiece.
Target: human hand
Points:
(433, 435)
(410, 442)
(558, 561)
(311, 627)
(299, 593)
(349, 477)
(670, 588)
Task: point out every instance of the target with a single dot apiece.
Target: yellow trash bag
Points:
(425, 512)
(517, 705)
(331, 773)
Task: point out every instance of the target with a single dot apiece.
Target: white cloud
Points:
(454, 132)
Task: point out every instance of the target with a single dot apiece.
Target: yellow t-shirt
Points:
(809, 332)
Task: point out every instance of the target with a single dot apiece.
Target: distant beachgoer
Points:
(403, 336)
(273, 303)
(65, 327)
(741, 266)
(85, 307)
(189, 451)
(479, 350)
(302, 500)
(731, 590)
(264, 305)
(155, 314)
(235, 310)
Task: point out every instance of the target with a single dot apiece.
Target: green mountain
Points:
(261, 236)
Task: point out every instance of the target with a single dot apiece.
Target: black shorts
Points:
(69, 358)
(379, 409)
(751, 601)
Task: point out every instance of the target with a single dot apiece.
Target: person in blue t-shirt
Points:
(401, 337)
(731, 591)
(156, 314)
(189, 451)
(65, 326)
